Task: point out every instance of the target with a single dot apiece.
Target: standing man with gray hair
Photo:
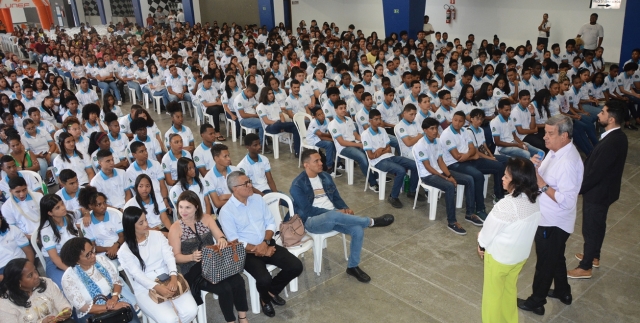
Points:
(246, 218)
(601, 186)
(559, 179)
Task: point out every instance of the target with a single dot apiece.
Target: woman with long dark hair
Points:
(146, 256)
(56, 227)
(26, 297)
(71, 158)
(540, 103)
(189, 180)
(188, 234)
(152, 205)
(506, 238)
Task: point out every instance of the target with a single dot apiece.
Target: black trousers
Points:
(551, 266)
(543, 40)
(214, 112)
(290, 268)
(230, 291)
(594, 225)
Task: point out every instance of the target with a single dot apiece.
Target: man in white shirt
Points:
(559, 179)
(428, 29)
(592, 33)
(177, 86)
(543, 31)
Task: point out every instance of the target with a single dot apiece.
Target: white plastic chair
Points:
(486, 184)
(381, 179)
(434, 194)
(37, 176)
(230, 124)
(157, 103)
(299, 120)
(275, 138)
(202, 309)
(348, 165)
(34, 244)
(273, 202)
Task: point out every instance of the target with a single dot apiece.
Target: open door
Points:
(287, 13)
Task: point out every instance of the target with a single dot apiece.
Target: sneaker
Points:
(482, 215)
(395, 202)
(340, 165)
(336, 173)
(457, 228)
(579, 273)
(120, 102)
(51, 182)
(388, 179)
(374, 188)
(474, 219)
(421, 197)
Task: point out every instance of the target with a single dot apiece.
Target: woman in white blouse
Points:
(505, 241)
(145, 255)
(89, 275)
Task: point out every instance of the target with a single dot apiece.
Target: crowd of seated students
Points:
(134, 196)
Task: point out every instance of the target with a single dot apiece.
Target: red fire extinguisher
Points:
(448, 13)
(453, 12)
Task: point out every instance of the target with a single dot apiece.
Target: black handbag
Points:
(122, 315)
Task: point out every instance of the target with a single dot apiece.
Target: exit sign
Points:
(396, 10)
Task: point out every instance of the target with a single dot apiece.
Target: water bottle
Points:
(406, 183)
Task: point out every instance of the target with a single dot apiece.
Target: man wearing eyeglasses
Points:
(321, 208)
(246, 218)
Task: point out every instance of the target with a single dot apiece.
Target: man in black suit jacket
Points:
(601, 185)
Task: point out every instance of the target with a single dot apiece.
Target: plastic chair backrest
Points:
(34, 244)
(273, 203)
(299, 121)
(37, 176)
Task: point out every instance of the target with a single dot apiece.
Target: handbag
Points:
(220, 263)
(117, 316)
(183, 287)
(292, 231)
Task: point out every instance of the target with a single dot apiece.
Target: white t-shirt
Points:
(320, 199)
(256, 171)
(11, 243)
(342, 128)
(105, 232)
(503, 129)
(48, 238)
(543, 34)
(451, 139)
(423, 150)
(590, 34)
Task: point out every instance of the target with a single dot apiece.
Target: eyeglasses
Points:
(245, 184)
(90, 253)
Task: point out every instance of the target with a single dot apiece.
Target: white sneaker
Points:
(119, 102)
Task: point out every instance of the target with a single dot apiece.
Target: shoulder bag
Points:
(292, 231)
(220, 263)
(118, 316)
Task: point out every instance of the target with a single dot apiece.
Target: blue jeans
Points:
(582, 136)
(343, 223)
(54, 273)
(289, 127)
(398, 166)
(477, 169)
(106, 86)
(329, 151)
(187, 97)
(136, 87)
(252, 123)
(593, 110)
(358, 155)
(163, 93)
(519, 152)
(450, 192)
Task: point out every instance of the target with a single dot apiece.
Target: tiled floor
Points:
(422, 272)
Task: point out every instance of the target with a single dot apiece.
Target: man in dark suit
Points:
(601, 185)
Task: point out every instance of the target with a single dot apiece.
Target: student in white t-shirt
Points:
(110, 181)
(56, 228)
(319, 136)
(407, 130)
(102, 226)
(145, 199)
(504, 134)
(69, 192)
(257, 167)
(13, 244)
(71, 158)
(189, 179)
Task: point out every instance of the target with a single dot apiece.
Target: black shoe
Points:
(374, 188)
(522, 304)
(388, 179)
(383, 221)
(267, 150)
(566, 299)
(278, 300)
(631, 127)
(268, 310)
(421, 197)
(395, 202)
(360, 275)
(474, 219)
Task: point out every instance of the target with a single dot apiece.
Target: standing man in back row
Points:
(428, 29)
(601, 186)
(543, 31)
(592, 33)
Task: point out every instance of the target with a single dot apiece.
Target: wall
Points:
(278, 11)
(515, 21)
(364, 14)
(242, 12)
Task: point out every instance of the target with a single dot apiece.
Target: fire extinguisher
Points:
(448, 13)
(453, 12)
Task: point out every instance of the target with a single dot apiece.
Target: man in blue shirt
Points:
(322, 210)
(246, 218)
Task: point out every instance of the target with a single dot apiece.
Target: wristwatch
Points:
(269, 242)
(544, 188)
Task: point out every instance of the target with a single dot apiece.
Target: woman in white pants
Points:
(145, 255)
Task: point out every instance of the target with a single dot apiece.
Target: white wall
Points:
(516, 21)
(278, 11)
(364, 14)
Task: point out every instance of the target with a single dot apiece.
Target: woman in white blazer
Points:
(145, 255)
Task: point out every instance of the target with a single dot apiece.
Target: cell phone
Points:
(541, 155)
(163, 277)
